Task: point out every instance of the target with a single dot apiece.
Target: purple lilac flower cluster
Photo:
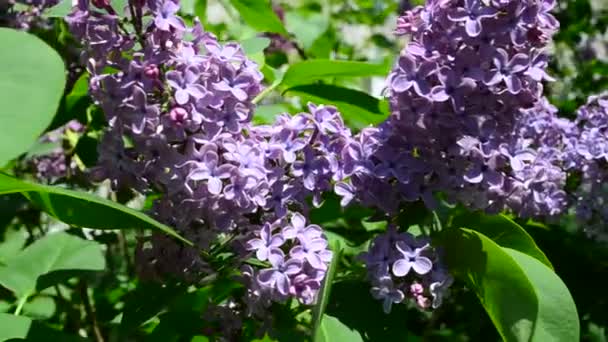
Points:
(179, 112)
(53, 165)
(298, 256)
(401, 266)
(458, 93)
(24, 14)
(591, 148)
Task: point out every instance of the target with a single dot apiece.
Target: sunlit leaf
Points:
(32, 79)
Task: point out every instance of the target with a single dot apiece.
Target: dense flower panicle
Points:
(298, 255)
(461, 88)
(401, 266)
(591, 148)
(179, 112)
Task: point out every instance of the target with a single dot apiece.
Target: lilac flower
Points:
(238, 190)
(409, 75)
(411, 260)
(346, 192)
(441, 282)
(166, 19)
(185, 85)
(266, 243)
(310, 250)
(507, 70)
(278, 277)
(538, 66)
(388, 294)
(483, 172)
(235, 87)
(452, 88)
(210, 171)
(472, 14)
(298, 223)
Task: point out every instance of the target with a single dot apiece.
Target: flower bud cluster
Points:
(53, 165)
(401, 266)
(591, 151)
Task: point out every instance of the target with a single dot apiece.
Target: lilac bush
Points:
(401, 266)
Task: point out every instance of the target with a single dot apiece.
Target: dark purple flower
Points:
(389, 295)
(410, 75)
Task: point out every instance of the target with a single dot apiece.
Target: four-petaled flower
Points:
(266, 243)
(412, 259)
(278, 276)
(472, 14)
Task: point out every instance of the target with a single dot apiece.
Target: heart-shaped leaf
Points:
(525, 299)
(332, 330)
(32, 79)
(503, 231)
(54, 252)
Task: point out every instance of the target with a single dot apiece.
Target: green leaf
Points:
(40, 307)
(503, 231)
(138, 306)
(259, 15)
(316, 69)
(20, 327)
(266, 114)
(200, 9)
(558, 318)
(32, 79)
(332, 330)
(319, 309)
(254, 48)
(63, 8)
(82, 209)
(12, 326)
(306, 26)
(54, 252)
(525, 300)
(358, 108)
(13, 242)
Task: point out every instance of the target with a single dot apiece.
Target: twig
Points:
(90, 311)
(124, 249)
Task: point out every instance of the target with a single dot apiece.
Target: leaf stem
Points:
(265, 92)
(20, 305)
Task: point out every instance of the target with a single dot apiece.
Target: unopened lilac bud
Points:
(151, 71)
(416, 289)
(178, 115)
(423, 302)
(101, 4)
